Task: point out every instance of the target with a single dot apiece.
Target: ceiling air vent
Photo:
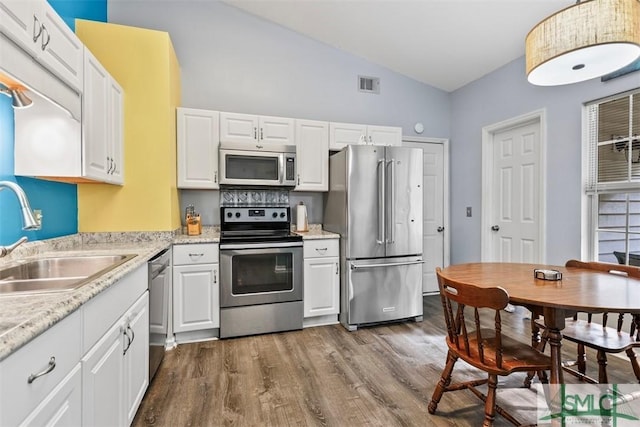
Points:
(369, 84)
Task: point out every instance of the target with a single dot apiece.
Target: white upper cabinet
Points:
(312, 147)
(103, 116)
(384, 135)
(343, 134)
(36, 27)
(236, 127)
(198, 142)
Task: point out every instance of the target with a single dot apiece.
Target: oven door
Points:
(260, 273)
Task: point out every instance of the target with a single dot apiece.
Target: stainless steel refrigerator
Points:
(375, 204)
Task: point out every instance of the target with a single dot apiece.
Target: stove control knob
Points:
(282, 214)
(275, 214)
(237, 214)
(229, 214)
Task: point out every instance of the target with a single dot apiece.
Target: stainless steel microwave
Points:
(257, 165)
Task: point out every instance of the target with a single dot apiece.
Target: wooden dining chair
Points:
(488, 349)
(596, 334)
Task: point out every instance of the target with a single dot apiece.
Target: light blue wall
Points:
(502, 95)
(233, 61)
(58, 201)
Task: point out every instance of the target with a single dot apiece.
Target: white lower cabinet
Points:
(196, 292)
(321, 282)
(115, 373)
(37, 386)
(89, 369)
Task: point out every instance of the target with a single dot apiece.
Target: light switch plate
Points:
(469, 211)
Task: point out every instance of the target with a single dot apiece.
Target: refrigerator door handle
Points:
(386, 264)
(392, 197)
(381, 202)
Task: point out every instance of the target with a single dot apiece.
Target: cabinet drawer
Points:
(200, 253)
(17, 397)
(321, 248)
(105, 309)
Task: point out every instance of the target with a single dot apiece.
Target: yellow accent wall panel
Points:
(145, 65)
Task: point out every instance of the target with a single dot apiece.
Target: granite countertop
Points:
(25, 316)
(316, 232)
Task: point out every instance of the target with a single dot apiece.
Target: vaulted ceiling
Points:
(444, 43)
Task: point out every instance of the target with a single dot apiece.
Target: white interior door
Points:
(515, 197)
(433, 212)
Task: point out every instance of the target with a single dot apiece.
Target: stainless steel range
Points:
(261, 276)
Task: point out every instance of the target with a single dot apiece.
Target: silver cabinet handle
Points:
(196, 255)
(321, 250)
(370, 140)
(255, 133)
(495, 228)
(440, 229)
(36, 24)
(215, 277)
(259, 147)
(298, 179)
(45, 43)
(337, 269)
(49, 368)
(215, 177)
(126, 348)
(261, 134)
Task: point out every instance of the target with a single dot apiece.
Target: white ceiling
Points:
(444, 43)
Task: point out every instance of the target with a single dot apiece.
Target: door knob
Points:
(440, 229)
(495, 228)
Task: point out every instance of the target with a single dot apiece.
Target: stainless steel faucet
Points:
(29, 222)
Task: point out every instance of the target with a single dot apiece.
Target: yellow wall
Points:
(145, 65)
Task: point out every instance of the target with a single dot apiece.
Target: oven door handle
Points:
(260, 245)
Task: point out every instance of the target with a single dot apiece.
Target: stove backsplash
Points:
(242, 197)
(207, 202)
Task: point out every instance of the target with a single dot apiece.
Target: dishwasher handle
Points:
(159, 263)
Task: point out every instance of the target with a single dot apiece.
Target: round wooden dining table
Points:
(579, 290)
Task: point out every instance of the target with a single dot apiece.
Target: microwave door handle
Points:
(281, 161)
(381, 202)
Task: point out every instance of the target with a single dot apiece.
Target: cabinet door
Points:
(276, 130)
(238, 127)
(343, 134)
(20, 21)
(136, 357)
(115, 146)
(102, 370)
(196, 296)
(384, 135)
(61, 49)
(312, 146)
(95, 112)
(321, 286)
(198, 143)
(63, 407)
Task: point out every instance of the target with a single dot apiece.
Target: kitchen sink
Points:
(57, 274)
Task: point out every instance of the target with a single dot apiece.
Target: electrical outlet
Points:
(37, 213)
(469, 211)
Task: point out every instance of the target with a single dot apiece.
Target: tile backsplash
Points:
(207, 202)
(241, 197)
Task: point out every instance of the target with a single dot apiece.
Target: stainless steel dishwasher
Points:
(159, 292)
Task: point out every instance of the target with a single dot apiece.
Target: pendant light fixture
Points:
(18, 98)
(587, 40)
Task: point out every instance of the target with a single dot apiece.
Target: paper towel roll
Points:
(301, 218)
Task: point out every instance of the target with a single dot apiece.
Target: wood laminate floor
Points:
(325, 376)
